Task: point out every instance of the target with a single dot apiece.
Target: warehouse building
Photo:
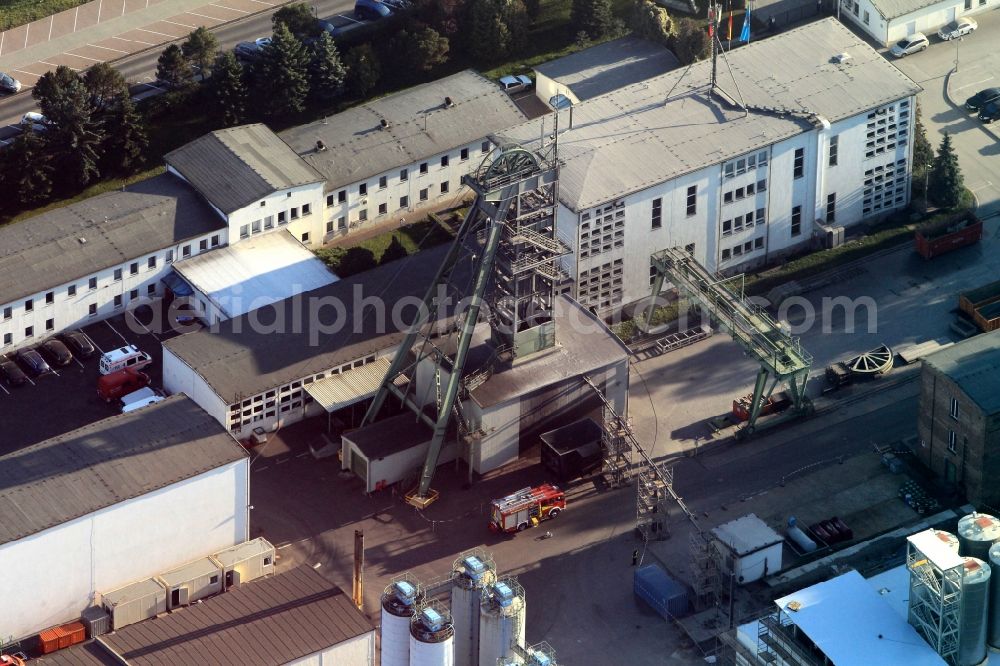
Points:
(89, 260)
(116, 501)
(959, 418)
(398, 154)
(889, 21)
(824, 142)
(294, 617)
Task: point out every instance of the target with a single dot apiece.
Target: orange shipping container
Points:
(74, 632)
(48, 641)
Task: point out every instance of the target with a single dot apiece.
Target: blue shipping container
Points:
(663, 594)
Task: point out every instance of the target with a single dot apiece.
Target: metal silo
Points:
(471, 572)
(993, 631)
(948, 538)
(432, 637)
(399, 603)
(977, 532)
(501, 620)
(973, 612)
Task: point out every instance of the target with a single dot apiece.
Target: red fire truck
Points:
(526, 508)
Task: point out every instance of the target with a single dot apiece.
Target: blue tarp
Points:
(177, 284)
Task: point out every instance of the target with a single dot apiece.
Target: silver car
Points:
(960, 28)
(912, 44)
(9, 84)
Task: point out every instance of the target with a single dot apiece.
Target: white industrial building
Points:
(120, 500)
(89, 260)
(750, 547)
(889, 21)
(823, 141)
(391, 156)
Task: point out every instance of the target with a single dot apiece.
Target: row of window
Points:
(601, 286)
(743, 248)
(741, 222)
(744, 164)
(604, 232)
(266, 223)
(887, 128)
(743, 192)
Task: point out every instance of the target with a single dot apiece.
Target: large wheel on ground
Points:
(873, 363)
(553, 512)
(522, 526)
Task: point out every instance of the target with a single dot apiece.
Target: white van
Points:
(135, 396)
(139, 404)
(122, 358)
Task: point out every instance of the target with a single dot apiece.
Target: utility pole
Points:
(359, 567)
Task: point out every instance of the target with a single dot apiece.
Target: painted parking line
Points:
(232, 9)
(78, 362)
(96, 346)
(107, 48)
(77, 55)
(144, 327)
(108, 323)
(32, 381)
(217, 19)
(4, 389)
(50, 64)
(183, 25)
(975, 83)
(153, 32)
(53, 371)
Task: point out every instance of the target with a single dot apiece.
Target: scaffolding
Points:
(780, 355)
(616, 458)
(706, 581)
(777, 642)
(936, 587)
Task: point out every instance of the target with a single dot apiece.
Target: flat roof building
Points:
(888, 21)
(104, 505)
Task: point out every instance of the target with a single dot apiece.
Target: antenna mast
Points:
(713, 24)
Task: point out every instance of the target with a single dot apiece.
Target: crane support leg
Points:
(759, 396)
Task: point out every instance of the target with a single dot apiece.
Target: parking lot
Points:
(66, 398)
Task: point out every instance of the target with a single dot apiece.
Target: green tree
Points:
(426, 49)
(923, 156)
(200, 49)
(494, 29)
(229, 90)
(947, 184)
(74, 135)
(326, 70)
(363, 70)
(299, 20)
(126, 142)
(593, 17)
(60, 94)
(690, 42)
(281, 74)
(173, 69)
(105, 84)
(26, 171)
(650, 21)
(394, 251)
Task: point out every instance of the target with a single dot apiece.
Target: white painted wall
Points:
(501, 445)
(179, 377)
(547, 88)
(49, 577)
(358, 651)
(926, 19)
(72, 311)
(281, 209)
(753, 567)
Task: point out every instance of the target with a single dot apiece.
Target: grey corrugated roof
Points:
(609, 66)
(235, 167)
(238, 361)
(275, 620)
(91, 653)
(629, 140)
(45, 251)
(108, 462)
(420, 126)
(891, 9)
(973, 364)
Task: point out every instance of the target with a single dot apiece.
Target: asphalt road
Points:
(140, 69)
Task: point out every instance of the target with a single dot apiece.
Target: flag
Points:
(730, 35)
(745, 32)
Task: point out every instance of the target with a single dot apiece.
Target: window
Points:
(692, 200)
(750, 190)
(868, 18)
(269, 222)
(404, 175)
(29, 331)
(151, 261)
(305, 237)
(92, 283)
(50, 298)
(464, 154)
(71, 290)
(951, 441)
(134, 294)
(362, 214)
(831, 207)
(485, 148)
(295, 213)
(444, 160)
(281, 218)
(170, 256)
(151, 289)
(118, 274)
(404, 202)
(133, 268)
(383, 182)
(726, 254)
(329, 227)
(834, 140)
(727, 198)
(444, 187)
(342, 222)
(288, 195)
(8, 338)
(799, 165)
(796, 220)
(118, 300)
(423, 167)
(186, 251)
(761, 217)
(728, 170)
(762, 185)
(50, 324)
(954, 408)
(263, 203)
(342, 196)
(758, 243)
(203, 245)
(244, 231)
(727, 228)
(748, 246)
(363, 189)
(657, 220)
(329, 200)
(306, 209)
(968, 5)
(423, 194)
(382, 209)
(689, 248)
(255, 227)
(215, 240)
(739, 193)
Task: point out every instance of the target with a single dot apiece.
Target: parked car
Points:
(371, 10)
(251, 50)
(123, 382)
(79, 344)
(35, 121)
(12, 373)
(57, 353)
(123, 358)
(33, 361)
(139, 404)
(512, 84)
(982, 98)
(960, 28)
(913, 44)
(9, 84)
(990, 112)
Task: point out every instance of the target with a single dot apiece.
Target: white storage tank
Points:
(399, 603)
(973, 613)
(432, 637)
(993, 630)
(977, 532)
(501, 620)
(471, 572)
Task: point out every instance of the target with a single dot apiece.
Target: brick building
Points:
(959, 417)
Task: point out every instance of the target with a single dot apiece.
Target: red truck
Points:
(949, 234)
(526, 508)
